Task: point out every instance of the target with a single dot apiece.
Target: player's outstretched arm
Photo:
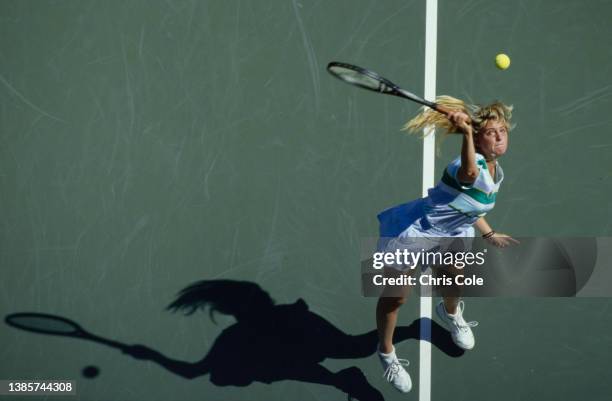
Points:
(468, 172)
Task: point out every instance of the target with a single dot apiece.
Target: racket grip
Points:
(442, 109)
(446, 111)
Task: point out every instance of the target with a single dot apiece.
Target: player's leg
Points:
(387, 309)
(451, 294)
(386, 321)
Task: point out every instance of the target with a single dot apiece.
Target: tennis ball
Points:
(502, 61)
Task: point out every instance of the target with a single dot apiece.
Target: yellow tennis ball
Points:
(502, 61)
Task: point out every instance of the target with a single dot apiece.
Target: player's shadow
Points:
(270, 342)
(267, 343)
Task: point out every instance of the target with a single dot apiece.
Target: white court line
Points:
(429, 153)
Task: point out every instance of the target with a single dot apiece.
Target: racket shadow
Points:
(270, 342)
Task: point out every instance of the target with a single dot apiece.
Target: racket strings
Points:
(42, 324)
(359, 78)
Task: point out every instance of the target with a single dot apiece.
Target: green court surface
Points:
(148, 145)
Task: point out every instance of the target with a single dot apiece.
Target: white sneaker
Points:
(461, 331)
(395, 372)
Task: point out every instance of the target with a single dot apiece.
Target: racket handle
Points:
(446, 111)
(442, 109)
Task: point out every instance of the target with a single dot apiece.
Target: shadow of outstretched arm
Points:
(187, 370)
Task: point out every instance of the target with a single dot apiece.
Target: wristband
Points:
(489, 234)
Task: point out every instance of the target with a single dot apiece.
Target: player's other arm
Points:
(498, 239)
(482, 226)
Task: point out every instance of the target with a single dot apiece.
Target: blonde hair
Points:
(480, 115)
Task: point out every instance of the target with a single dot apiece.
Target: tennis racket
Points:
(56, 325)
(370, 80)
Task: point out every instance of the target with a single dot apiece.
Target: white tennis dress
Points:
(449, 210)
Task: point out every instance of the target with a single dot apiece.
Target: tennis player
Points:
(464, 195)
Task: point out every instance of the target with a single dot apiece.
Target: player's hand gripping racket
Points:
(56, 325)
(370, 80)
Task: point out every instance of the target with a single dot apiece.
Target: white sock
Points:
(387, 357)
